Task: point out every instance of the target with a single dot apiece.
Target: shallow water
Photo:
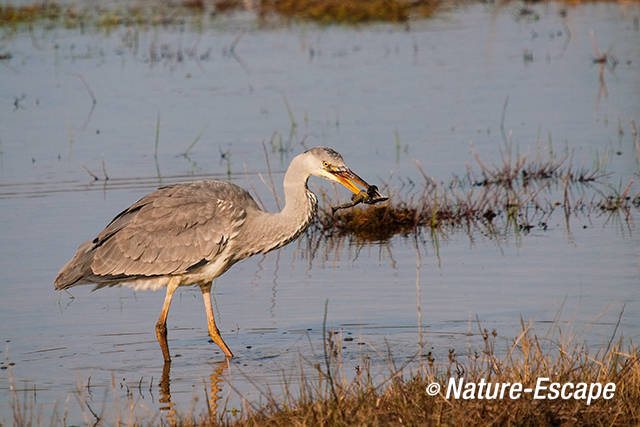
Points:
(439, 87)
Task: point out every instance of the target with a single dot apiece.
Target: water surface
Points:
(383, 96)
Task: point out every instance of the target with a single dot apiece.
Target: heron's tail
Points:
(75, 272)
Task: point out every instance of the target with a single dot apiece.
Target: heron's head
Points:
(328, 164)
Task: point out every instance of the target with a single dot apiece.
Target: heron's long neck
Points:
(278, 229)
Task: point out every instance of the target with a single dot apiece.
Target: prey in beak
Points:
(369, 194)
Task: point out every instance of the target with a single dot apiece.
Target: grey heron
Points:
(190, 233)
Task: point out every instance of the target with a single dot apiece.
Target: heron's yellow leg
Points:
(213, 329)
(161, 325)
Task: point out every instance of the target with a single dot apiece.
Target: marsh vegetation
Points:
(351, 393)
(198, 12)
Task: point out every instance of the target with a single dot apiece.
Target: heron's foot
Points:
(215, 336)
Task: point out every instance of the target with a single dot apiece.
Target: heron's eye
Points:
(325, 164)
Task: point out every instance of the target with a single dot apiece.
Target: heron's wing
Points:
(172, 230)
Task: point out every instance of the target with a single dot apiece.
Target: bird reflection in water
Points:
(168, 408)
(165, 394)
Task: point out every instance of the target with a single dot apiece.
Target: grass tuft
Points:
(400, 397)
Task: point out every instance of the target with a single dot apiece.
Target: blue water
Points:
(384, 97)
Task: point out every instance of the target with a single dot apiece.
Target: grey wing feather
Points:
(166, 232)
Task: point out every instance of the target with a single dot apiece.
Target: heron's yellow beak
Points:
(349, 179)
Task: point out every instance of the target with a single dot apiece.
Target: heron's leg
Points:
(161, 325)
(213, 329)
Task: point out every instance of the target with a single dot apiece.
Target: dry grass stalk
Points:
(636, 142)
